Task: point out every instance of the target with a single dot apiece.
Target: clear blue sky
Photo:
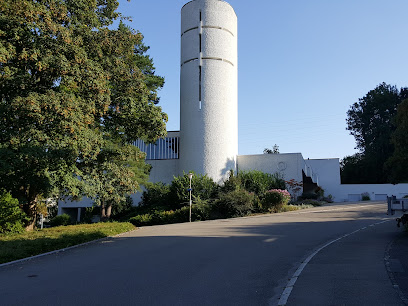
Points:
(301, 64)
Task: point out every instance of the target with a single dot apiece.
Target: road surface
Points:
(332, 255)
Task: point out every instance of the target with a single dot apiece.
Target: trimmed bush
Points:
(308, 196)
(63, 219)
(203, 187)
(141, 220)
(156, 195)
(163, 217)
(88, 214)
(236, 203)
(260, 182)
(177, 195)
(365, 196)
(233, 183)
(12, 218)
(199, 212)
(122, 207)
(273, 200)
(328, 199)
(240, 195)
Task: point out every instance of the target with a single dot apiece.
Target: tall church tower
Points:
(208, 88)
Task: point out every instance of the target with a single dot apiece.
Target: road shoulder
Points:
(350, 271)
(397, 264)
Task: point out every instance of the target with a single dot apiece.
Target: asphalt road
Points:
(243, 261)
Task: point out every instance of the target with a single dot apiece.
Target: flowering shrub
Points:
(295, 187)
(274, 199)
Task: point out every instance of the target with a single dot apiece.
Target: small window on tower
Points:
(199, 84)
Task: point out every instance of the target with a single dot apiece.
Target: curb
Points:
(391, 274)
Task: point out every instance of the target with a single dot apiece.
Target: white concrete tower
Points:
(208, 88)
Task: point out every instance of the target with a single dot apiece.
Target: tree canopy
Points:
(371, 122)
(397, 164)
(274, 150)
(71, 89)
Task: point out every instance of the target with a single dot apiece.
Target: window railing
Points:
(164, 148)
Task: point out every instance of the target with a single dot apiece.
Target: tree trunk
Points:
(108, 211)
(29, 209)
(103, 211)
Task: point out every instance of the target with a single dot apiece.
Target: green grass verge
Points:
(291, 207)
(18, 246)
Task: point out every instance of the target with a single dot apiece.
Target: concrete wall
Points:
(85, 202)
(208, 88)
(73, 208)
(163, 170)
(289, 165)
(327, 173)
(352, 192)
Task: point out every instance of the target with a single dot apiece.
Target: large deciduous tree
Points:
(371, 122)
(70, 88)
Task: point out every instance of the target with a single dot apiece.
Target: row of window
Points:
(164, 148)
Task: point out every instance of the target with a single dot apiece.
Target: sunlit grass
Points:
(18, 246)
(291, 207)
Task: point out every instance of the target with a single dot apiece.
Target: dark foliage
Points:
(236, 203)
(371, 121)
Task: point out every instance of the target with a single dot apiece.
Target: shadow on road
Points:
(243, 261)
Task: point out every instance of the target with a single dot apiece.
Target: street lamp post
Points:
(190, 176)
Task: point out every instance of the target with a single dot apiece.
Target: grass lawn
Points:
(18, 246)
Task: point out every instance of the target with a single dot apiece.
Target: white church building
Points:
(207, 142)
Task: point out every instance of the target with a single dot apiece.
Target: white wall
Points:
(289, 165)
(350, 192)
(85, 202)
(163, 170)
(328, 174)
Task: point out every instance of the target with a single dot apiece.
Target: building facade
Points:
(207, 142)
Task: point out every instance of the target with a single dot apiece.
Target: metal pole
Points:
(190, 197)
